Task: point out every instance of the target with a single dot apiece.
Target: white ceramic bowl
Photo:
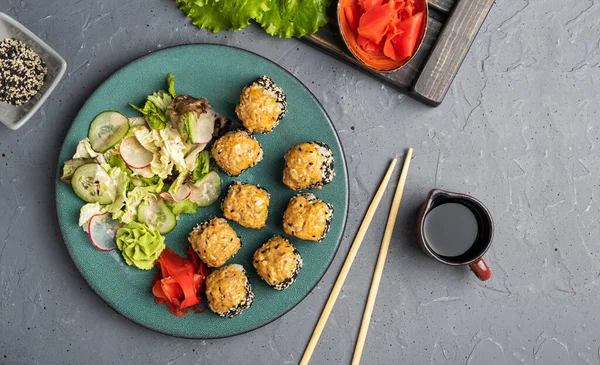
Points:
(15, 116)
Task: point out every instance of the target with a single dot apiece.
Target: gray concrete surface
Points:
(519, 129)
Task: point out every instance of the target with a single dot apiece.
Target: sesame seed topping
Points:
(22, 72)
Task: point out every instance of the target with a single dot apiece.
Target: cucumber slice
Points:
(93, 185)
(206, 191)
(106, 130)
(156, 215)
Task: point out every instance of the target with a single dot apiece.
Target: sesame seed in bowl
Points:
(29, 72)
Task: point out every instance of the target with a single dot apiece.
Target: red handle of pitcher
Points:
(481, 269)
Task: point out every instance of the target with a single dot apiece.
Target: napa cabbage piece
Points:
(168, 148)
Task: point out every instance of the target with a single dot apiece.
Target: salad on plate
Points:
(137, 175)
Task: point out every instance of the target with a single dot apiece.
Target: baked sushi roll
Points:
(262, 105)
(214, 241)
(277, 262)
(236, 151)
(228, 291)
(246, 204)
(308, 165)
(307, 217)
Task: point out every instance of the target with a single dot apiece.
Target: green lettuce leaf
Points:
(179, 180)
(184, 206)
(204, 164)
(117, 161)
(156, 105)
(154, 116)
(171, 82)
(294, 18)
(218, 15)
(161, 100)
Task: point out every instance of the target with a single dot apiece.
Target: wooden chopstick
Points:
(383, 251)
(364, 226)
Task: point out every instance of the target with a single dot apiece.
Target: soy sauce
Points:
(451, 229)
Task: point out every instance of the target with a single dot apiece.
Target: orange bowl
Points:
(374, 61)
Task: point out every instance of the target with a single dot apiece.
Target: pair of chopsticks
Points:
(385, 244)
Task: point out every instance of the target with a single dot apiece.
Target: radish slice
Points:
(183, 193)
(145, 172)
(202, 128)
(134, 154)
(102, 230)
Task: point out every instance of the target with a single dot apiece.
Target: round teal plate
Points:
(218, 73)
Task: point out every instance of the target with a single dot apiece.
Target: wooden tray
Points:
(451, 29)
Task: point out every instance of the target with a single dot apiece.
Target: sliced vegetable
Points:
(195, 118)
(352, 13)
(87, 212)
(375, 22)
(71, 165)
(134, 154)
(200, 127)
(102, 231)
(84, 150)
(106, 130)
(368, 45)
(180, 282)
(206, 191)
(383, 34)
(145, 172)
(367, 5)
(182, 193)
(93, 184)
(156, 215)
(405, 42)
